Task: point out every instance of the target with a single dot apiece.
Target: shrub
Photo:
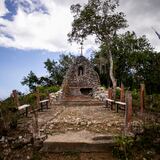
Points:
(123, 148)
(144, 145)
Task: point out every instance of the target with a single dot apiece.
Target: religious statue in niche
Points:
(80, 71)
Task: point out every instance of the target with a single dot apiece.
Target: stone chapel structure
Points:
(81, 80)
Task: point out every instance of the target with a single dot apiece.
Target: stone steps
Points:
(80, 103)
(82, 141)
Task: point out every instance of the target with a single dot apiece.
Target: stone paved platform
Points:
(98, 119)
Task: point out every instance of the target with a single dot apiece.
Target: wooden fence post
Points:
(142, 99)
(37, 98)
(128, 111)
(110, 95)
(49, 98)
(16, 99)
(122, 94)
(35, 116)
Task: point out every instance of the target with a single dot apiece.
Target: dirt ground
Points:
(59, 119)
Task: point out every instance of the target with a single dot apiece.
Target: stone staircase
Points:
(79, 101)
(82, 141)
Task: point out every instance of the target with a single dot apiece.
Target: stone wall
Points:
(80, 79)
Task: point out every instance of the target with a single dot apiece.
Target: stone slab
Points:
(82, 141)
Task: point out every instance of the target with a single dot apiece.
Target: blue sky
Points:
(33, 30)
(15, 64)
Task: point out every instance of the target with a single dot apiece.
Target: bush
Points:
(123, 148)
(44, 89)
(153, 103)
(144, 145)
(118, 92)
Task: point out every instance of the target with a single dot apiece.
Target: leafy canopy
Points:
(97, 17)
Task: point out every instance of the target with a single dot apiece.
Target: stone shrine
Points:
(81, 80)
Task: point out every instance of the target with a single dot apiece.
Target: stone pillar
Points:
(128, 111)
(15, 96)
(142, 99)
(122, 93)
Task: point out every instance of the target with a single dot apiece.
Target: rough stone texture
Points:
(92, 118)
(81, 80)
(82, 141)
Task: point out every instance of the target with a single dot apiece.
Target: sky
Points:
(33, 30)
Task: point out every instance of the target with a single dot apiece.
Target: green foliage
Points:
(135, 62)
(47, 90)
(13, 120)
(123, 148)
(153, 103)
(36, 156)
(98, 18)
(56, 71)
(136, 100)
(31, 80)
(8, 117)
(144, 145)
(53, 69)
(118, 92)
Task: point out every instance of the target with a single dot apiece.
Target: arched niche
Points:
(80, 71)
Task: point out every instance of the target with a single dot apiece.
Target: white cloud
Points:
(44, 24)
(36, 30)
(3, 9)
(142, 16)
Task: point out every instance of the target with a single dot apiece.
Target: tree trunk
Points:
(114, 81)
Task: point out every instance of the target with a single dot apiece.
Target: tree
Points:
(65, 61)
(99, 18)
(53, 70)
(31, 81)
(135, 61)
(57, 70)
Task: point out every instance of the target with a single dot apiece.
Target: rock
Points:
(109, 125)
(83, 123)
(10, 139)
(51, 126)
(43, 137)
(41, 130)
(89, 123)
(2, 139)
(5, 145)
(26, 140)
(69, 129)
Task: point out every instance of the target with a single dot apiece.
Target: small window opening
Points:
(80, 71)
